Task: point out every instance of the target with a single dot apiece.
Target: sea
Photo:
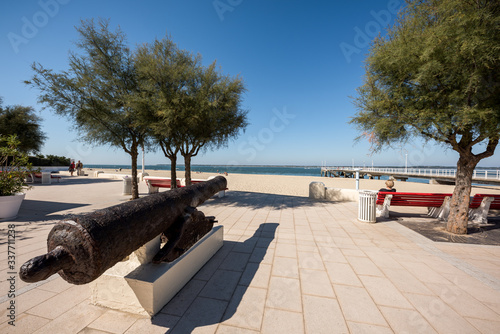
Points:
(260, 170)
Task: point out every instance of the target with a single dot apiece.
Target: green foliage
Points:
(25, 124)
(436, 75)
(95, 90)
(188, 107)
(214, 115)
(164, 73)
(119, 98)
(49, 160)
(14, 166)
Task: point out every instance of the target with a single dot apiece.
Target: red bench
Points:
(428, 200)
(480, 205)
(154, 183)
(413, 199)
(438, 204)
(478, 198)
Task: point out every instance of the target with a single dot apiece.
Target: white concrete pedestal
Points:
(140, 287)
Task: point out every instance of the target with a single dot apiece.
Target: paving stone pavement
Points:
(288, 265)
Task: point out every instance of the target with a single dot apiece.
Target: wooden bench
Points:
(436, 203)
(480, 205)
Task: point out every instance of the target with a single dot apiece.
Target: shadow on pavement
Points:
(35, 210)
(254, 200)
(67, 180)
(230, 271)
(435, 229)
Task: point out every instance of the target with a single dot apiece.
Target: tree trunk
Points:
(187, 173)
(173, 171)
(135, 185)
(459, 206)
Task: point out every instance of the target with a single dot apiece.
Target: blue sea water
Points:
(261, 170)
(270, 170)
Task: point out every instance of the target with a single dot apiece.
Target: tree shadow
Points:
(215, 292)
(254, 200)
(66, 180)
(36, 210)
(435, 230)
(35, 216)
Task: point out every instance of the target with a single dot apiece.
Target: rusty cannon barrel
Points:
(84, 247)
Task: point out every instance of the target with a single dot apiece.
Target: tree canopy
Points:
(436, 76)
(25, 124)
(94, 92)
(189, 107)
(164, 72)
(156, 94)
(213, 115)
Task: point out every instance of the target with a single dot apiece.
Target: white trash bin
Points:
(127, 186)
(367, 206)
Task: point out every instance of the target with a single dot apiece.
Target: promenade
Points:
(288, 265)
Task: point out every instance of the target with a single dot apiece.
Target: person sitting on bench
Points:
(389, 184)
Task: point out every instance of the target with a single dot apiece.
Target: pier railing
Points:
(489, 174)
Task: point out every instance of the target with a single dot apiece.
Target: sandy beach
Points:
(299, 185)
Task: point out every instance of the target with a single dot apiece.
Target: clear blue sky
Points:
(301, 61)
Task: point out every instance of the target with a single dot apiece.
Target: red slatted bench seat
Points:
(154, 183)
(478, 198)
(438, 204)
(428, 200)
(413, 199)
(480, 205)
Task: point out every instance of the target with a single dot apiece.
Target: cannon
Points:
(83, 247)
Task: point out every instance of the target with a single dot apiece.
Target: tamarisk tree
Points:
(435, 75)
(188, 107)
(94, 92)
(213, 115)
(164, 73)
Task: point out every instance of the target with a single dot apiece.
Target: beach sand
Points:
(299, 185)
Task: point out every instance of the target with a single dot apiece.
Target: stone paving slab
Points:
(288, 265)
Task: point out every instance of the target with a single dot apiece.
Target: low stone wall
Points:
(318, 190)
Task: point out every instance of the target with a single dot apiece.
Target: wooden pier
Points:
(440, 176)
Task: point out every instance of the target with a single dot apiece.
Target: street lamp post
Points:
(142, 159)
